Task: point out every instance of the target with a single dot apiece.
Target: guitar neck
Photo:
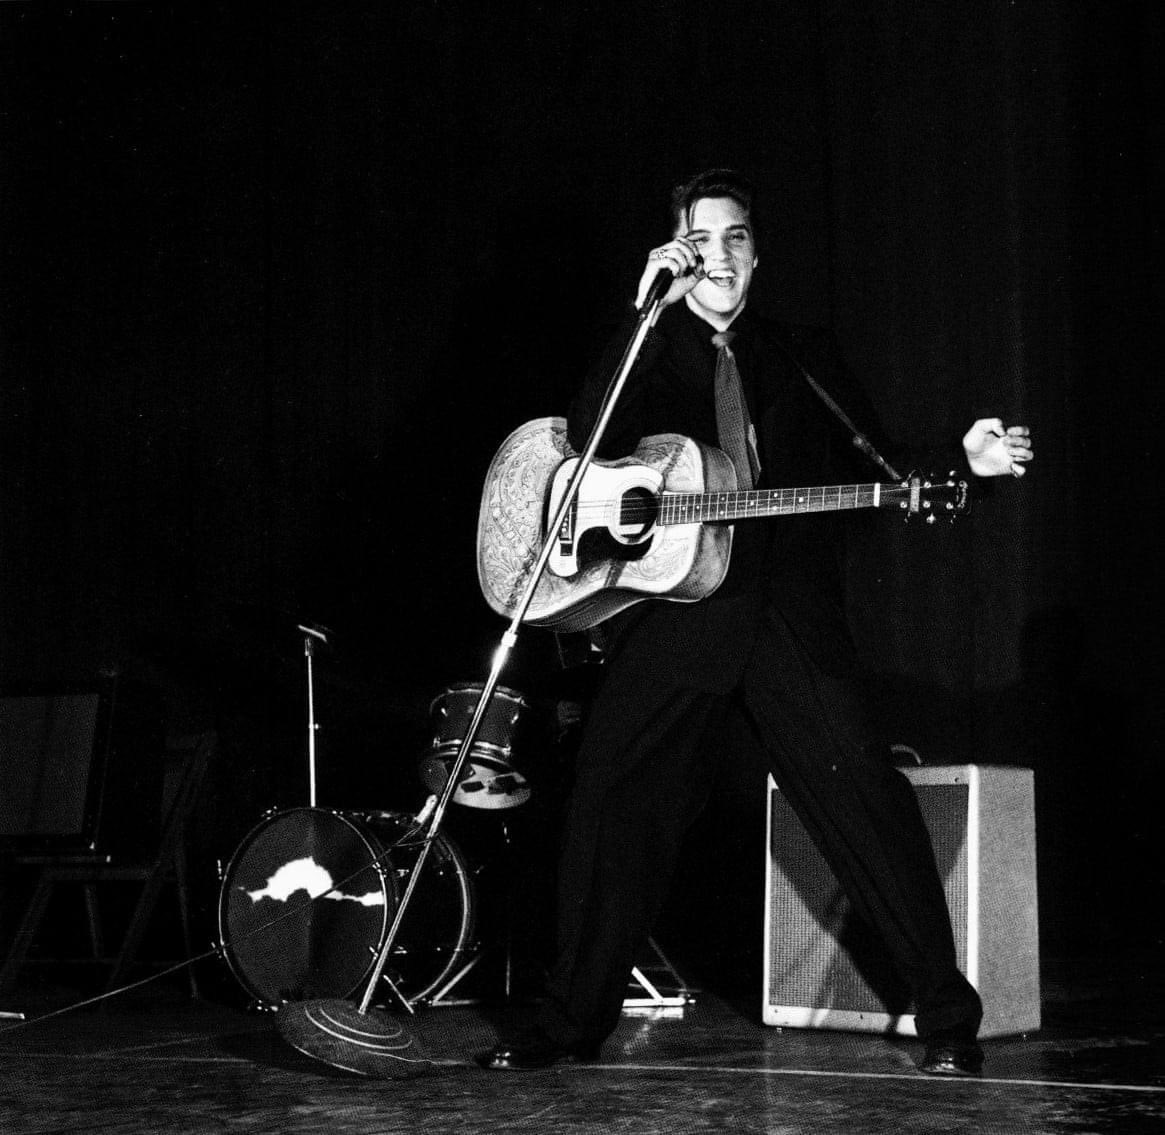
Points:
(691, 508)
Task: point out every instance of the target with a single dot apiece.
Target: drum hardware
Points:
(654, 1002)
(485, 951)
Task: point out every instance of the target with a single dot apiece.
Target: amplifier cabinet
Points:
(823, 968)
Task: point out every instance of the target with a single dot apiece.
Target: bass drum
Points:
(308, 899)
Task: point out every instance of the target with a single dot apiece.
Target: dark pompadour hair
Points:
(712, 183)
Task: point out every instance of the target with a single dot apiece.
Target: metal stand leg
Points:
(490, 950)
(656, 1002)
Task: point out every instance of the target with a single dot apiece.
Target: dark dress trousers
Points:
(771, 644)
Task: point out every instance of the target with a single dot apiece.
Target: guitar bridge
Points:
(566, 530)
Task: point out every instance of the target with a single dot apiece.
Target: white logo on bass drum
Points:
(307, 875)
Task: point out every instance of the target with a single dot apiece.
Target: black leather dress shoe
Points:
(534, 1052)
(947, 1059)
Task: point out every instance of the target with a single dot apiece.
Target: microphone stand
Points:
(328, 1030)
(310, 636)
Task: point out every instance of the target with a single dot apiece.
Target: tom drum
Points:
(489, 779)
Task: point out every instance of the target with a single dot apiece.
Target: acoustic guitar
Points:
(655, 525)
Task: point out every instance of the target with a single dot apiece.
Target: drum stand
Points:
(657, 1003)
(331, 1031)
(441, 998)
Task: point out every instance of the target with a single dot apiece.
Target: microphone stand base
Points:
(373, 1043)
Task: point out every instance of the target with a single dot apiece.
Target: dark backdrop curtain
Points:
(279, 278)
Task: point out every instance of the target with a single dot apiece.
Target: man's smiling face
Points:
(720, 229)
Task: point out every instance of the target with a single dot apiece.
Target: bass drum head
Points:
(307, 900)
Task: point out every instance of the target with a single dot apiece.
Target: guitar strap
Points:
(859, 439)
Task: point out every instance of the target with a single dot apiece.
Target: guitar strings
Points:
(631, 507)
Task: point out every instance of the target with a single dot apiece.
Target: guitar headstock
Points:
(933, 497)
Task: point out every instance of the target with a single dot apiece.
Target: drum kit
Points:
(310, 897)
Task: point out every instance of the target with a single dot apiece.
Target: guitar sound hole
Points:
(597, 545)
(638, 513)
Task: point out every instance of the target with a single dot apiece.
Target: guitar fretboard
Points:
(691, 508)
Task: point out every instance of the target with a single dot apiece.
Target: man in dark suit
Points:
(771, 644)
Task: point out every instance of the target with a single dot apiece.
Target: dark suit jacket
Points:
(786, 570)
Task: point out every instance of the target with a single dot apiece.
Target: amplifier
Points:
(823, 968)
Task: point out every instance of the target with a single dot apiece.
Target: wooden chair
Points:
(186, 759)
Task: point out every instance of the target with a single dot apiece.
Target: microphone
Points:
(658, 289)
(664, 280)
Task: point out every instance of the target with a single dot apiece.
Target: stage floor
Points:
(156, 1061)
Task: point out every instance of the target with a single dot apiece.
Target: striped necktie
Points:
(735, 431)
